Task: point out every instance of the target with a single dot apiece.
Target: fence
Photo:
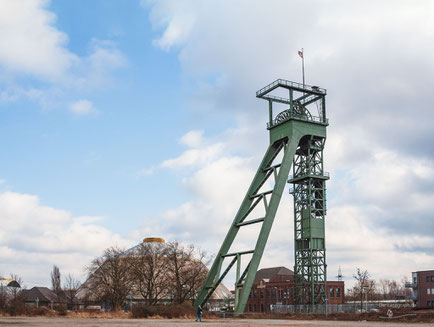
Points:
(352, 307)
(322, 308)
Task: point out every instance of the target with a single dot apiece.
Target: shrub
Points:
(165, 311)
(40, 311)
(62, 310)
(16, 307)
(142, 311)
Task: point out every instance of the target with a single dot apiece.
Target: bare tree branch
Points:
(109, 278)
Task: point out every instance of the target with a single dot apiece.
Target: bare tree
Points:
(3, 299)
(187, 271)
(55, 282)
(362, 285)
(406, 292)
(109, 278)
(15, 291)
(384, 288)
(393, 290)
(149, 271)
(14, 297)
(70, 289)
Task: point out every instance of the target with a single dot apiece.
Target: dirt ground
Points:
(89, 322)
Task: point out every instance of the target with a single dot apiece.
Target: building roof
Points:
(269, 273)
(9, 282)
(44, 294)
(151, 241)
(424, 271)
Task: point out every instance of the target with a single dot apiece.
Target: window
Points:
(250, 307)
(432, 291)
(262, 307)
(267, 293)
(428, 279)
(432, 278)
(280, 294)
(338, 292)
(428, 303)
(332, 292)
(262, 294)
(428, 291)
(254, 307)
(273, 293)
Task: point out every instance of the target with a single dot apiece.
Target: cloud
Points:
(38, 236)
(35, 62)
(82, 107)
(217, 186)
(177, 27)
(95, 70)
(216, 179)
(192, 139)
(195, 156)
(362, 58)
(30, 44)
(379, 149)
(145, 172)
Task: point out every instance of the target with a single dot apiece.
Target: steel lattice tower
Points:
(309, 213)
(300, 137)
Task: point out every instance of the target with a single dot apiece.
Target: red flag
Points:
(300, 54)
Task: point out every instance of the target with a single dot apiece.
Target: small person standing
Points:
(199, 314)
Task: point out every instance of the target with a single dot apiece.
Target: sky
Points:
(122, 120)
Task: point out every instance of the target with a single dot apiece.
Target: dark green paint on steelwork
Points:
(300, 135)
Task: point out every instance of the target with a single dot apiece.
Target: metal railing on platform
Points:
(283, 82)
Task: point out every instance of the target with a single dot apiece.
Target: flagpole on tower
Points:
(301, 54)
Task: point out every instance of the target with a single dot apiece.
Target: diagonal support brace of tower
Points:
(300, 136)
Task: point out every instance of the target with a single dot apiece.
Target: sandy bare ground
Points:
(86, 322)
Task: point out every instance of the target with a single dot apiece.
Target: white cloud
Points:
(192, 139)
(178, 26)
(217, 183)
(379, 150)
(145, 172)
(196, 156)
(82, 107)
(94, 70)
(34, 237)
(33, 48)
(29, 43)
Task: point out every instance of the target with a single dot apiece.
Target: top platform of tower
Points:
(303, 100)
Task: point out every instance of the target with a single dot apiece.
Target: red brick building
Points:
(423, 288)
(275, 286)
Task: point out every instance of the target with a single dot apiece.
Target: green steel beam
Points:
(302, 142)
(259, 179)
(268, 222)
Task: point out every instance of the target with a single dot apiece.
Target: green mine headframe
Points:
(300, 137)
